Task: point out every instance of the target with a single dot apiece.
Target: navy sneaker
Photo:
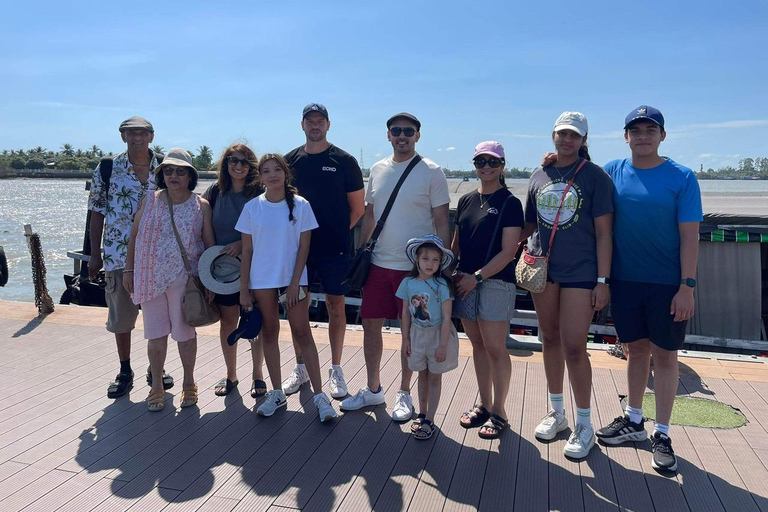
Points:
(621, 430)
(663, 455)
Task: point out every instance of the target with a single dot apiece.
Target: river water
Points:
(56, 210)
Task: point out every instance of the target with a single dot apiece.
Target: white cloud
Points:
(377, 155)
(450, 148)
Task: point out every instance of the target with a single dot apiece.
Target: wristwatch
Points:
(478, 277)
(689, 282)
(604, 280)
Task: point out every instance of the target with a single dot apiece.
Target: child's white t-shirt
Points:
(275, 239)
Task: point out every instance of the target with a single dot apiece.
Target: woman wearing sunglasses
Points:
(488, 225)
(574, 198)
(238, 183)
(155, 273)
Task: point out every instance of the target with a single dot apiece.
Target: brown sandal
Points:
(188, 396)
(475, 417)
(156, 400)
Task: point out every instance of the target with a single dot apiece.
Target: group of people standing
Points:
(626, 234)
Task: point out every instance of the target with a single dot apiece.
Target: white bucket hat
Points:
(414, 243)
(219, 272)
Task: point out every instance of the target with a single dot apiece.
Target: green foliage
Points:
(18, 163)
(35, 163)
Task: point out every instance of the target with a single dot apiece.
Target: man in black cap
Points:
(421, 208)
(113, 202)
(331, 180)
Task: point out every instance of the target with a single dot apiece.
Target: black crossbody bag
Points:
(358, 272)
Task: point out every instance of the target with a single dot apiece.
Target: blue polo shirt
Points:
(649, 204)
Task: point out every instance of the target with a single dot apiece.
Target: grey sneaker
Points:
(324, 408)
(363, 398)
(272, 401)
(337, 383)
(403, 409)
(581, 441)
(295, 380)
(663, 455)
(550, 425)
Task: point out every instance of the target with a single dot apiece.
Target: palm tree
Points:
(40, 150)
(157, 148)
(67, 150)
(96, 151)
(205, 158)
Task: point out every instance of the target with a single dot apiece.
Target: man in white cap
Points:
(117, 187)
(421, 207)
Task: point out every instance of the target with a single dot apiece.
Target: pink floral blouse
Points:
(157, 260)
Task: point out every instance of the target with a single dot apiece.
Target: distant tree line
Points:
(748, 168)
(69, 158)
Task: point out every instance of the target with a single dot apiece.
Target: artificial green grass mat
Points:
(697, 412)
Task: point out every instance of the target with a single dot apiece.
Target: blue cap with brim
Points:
(644, 112)
(249, 326)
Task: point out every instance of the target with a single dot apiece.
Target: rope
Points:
(42, 298)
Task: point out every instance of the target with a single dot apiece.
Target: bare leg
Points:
(257, 355)
(270, 330)
(157, 349)
(229, 318)
(298, 317)
(406, 374)
(665, 376)
(547, 304)
(575, 316)
(123, 341)
(188, 355)
(424, 393)
(495, 336)
(337, 325)
(481, 361)
(638, 366)
(372, 348)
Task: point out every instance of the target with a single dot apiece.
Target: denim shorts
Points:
(495, 301)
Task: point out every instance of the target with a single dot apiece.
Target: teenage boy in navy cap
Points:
(656, 234)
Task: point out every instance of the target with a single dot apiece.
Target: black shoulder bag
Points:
(358, 273)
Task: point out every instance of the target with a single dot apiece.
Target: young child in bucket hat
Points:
(430, 341)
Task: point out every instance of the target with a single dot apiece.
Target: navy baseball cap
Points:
(249, 326)
(315, 107)
(644, 112)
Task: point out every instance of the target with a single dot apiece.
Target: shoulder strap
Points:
(212, 194)
(391, 201)
(560, 208)
(105, 169)
(496, 230)
(187, 266)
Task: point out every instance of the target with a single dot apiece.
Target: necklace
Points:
(566, 173)
(426, 281)
(484, 202)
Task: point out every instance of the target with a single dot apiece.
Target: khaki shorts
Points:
(424, 343)
(122, 311)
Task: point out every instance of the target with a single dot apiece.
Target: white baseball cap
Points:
(575, 121)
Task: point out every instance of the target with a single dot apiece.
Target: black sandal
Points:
(475, 417)
(258, 389)
(425, 431)
(224, 386)
(167, 379)
(416, 424)
(122, 384)
(494, 426)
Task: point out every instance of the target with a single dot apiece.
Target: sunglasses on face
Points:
(180, 171)
(494, 163)
(233, 161)
(396, 131)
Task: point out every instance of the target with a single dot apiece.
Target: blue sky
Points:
(215, 72)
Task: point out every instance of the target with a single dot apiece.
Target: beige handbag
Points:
(531, 271)
(196, 308)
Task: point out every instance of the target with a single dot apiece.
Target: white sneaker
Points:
(295, 380)
(324, 408)
(363, 398)
(581, 441)
(550, 425)
(338, 384)
(403, 409)
(273, 400)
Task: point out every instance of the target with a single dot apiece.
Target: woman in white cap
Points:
(237, 183)
(488, 225)
(155, 272)
(573, 198)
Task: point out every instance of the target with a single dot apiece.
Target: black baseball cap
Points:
(315, 107)
(404, 115)
(644, 112)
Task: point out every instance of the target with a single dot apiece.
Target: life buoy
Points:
(3, 267)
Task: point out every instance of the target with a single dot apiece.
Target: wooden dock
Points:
(65, 446)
